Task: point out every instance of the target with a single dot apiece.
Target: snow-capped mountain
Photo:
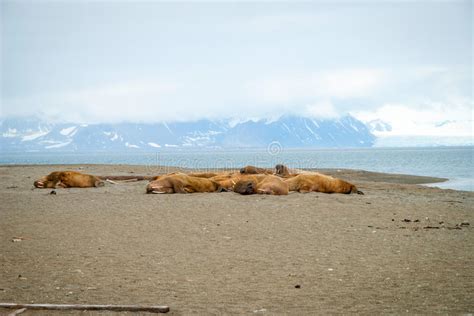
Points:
(32, 134)
(379, 126)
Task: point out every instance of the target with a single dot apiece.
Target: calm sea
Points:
(454, 163)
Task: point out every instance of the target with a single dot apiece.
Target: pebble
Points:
(263, 310)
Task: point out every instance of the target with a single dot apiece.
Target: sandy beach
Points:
(400, 248)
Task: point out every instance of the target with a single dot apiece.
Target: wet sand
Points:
(400, 248)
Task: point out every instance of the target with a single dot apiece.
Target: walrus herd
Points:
(249, 180)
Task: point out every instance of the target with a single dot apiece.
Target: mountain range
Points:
(33, 134)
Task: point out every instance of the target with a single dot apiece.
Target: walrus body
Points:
(227, 180)
(206, 175)
(261, 184)
(182, 183)
(255, 170)
(68, 179)
(320, 183)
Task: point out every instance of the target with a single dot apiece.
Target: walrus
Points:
(182, 183)
(320, 183)
(261, 184)
(255, 170)
(283, 171)
(68, 179)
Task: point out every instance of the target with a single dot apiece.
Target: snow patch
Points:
(354, 127)
(58, 145)
(34, 136)
(167, 127)
(311, 131)
(154, 145)
(12, 132)
(113, 134)
(214, 133)
(131, 145)
(287, 128)
(69, 131)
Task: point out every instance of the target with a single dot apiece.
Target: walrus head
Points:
(99, 183)
(245, 187)
(251, 170)
(281, 170)
(156, 187)
(222, 189)
(39, 184)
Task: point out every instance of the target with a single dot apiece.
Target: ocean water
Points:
(454, 163)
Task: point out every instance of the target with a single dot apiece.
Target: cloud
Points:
(428, 119)
(345, 83)
(190, 98)
(415, 101)
(282, 22)
(323, 109)
(123, 101)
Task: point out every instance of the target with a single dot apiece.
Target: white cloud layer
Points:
(324, 94)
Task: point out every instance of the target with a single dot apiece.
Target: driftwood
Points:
(123, 178)
(17, 312)
(117, 308)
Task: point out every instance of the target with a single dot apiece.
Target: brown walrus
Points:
(255, 170)
(68, 179)
(261, 184)
(283, 171)
(182, 183)
(320, 183)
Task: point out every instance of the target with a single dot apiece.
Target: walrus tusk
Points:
(121, 181)
(158, 192)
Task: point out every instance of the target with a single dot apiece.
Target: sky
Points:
(407, 63)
